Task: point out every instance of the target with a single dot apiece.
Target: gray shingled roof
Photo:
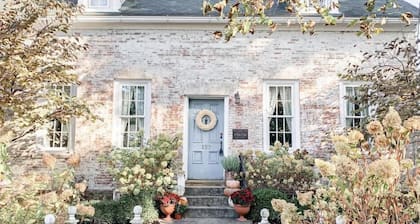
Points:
(350, 8)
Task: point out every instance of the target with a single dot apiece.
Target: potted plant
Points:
(242, 202)
(232, 165)
(167, 203)
(181, 208)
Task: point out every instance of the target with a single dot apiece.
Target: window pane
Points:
(132, 108)
(140, 124)
(272, 138)
(98, 3)
(133, 125)
(57, 125)
(273, 101)
(288, 93)
(272, 124)
(280, 108)
(349, 122)
(132, 93)
(140, 108)
(125, 139)
(124, 124)
(288, 125)
(64, 140)
(287, 107)
(288, 139)
(356, 122)
(280, 138)
(280, 123)
(140, 93)
(349, 108)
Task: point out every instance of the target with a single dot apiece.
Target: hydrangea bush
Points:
(368, 180)
(279, 169)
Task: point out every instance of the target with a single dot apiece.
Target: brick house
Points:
(155, 66)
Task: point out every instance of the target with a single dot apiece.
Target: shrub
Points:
(263, 199)
(28, 198)
(368, 182)
(147, 171)
(279, 169)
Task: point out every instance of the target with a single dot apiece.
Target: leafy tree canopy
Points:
(244, 15)
(37, 55)
(390, 79)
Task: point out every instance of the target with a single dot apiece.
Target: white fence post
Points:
(137, 215)
(264, 216)
(49, 219)
(72, 215)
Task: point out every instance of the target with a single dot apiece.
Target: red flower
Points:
(168, 199)
(242, 197)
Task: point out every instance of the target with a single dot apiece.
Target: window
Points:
(131, 117)
(98, 3)
(281, 103)
(310, 9)
(351, 115)
(59, 134)
(101, 5)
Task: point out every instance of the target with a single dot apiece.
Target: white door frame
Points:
(185, 136)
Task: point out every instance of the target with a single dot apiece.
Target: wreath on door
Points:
(205, 120)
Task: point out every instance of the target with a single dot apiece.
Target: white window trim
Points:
(343, 85)
(42, 134)
(294, 84)
(116, 128)
(112, 6)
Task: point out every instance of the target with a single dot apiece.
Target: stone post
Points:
(137, 215)
(49, 219)
(264, 216)
(72, 215)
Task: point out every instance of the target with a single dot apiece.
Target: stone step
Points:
(209, 221)
(215, 201)
(204, 190)
(205, 183)
(210, 212)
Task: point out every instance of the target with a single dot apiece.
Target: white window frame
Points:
(112, 6)
(294, 84)
(343, 101)
(42, 134)
(116, 140)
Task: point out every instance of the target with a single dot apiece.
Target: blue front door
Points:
(205, 139)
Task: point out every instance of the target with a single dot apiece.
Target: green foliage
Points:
(280, 170)
(231, 163)
(152, 168)
(389, 78)
(263, 197)
(36, 53)
(245, 15)
(121, 211)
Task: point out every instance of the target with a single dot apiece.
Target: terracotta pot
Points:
(228, 176)
(233, 184)
(167, 209)
(178, 216)
(242, 210)
(230, 191)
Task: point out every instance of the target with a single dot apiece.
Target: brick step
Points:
(209, 221)
(210, 212)
(205, 183)
(215, 201)
(204, 190)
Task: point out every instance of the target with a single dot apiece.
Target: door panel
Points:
(204, 146)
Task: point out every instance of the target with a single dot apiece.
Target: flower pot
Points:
(228, 176)
(229, 191)
(167, 209)
(178, 216)
(242, 210)
(233, 184)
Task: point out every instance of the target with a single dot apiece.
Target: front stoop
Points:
(207, 204)
(209, 221)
